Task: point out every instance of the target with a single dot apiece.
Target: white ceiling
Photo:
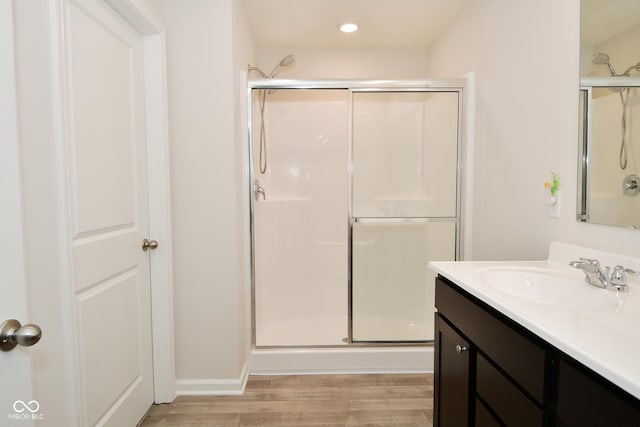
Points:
(383, 23)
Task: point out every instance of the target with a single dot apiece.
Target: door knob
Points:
(149, 244)
(12, 333)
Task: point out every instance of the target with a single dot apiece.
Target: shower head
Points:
(287, 60)
(601, 58)
(284, 62)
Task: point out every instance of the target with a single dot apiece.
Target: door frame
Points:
(152, 30)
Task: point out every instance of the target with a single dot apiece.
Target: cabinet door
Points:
(586, 399)
(452, 379)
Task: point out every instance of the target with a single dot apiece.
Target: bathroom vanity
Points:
(531, 344)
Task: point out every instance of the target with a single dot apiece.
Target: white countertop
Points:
(607, 340)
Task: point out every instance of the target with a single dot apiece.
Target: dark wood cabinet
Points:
(491, 371)
(586, 399)
(451, 375)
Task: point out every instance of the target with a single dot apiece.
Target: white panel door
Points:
(16, 391)
(107, 213)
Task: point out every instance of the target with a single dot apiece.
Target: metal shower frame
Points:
(354, 86)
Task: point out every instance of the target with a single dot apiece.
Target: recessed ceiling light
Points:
(348, 27)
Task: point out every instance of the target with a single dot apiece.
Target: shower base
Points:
(345, 360)
(302, 331)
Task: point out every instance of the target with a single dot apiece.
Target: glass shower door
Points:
(404, 210)
(300, 218)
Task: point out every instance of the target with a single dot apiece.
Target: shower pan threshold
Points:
(334, 360)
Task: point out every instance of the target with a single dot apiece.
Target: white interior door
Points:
(16, 364)
(107, 210)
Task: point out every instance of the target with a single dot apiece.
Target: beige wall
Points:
(151, 7)
(243, 54)
(525, 55)
(321, 63)
(206, 40)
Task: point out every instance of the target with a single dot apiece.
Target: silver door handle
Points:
(12, 333)
(149, 244)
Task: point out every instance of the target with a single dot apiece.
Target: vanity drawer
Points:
(507, 402)
(522, 359)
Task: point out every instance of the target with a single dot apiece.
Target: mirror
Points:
(609, 162)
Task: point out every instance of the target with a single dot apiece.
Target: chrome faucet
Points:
(596, 277)
(257, 191)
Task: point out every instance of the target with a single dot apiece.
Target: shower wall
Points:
(301, 228)
(347, 63)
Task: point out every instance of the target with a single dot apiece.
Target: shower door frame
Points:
(352, 86)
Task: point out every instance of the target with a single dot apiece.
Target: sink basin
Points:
(550, 288)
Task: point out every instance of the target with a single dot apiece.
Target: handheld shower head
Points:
(601, 58)
(284, 62)
(287, 60)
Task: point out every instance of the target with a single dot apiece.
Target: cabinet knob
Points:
(461, 348)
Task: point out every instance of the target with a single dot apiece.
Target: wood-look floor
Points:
(308, 400)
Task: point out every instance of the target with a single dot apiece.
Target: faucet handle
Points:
(619, 274)
(593, 262)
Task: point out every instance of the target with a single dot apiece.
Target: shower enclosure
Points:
(357, 191)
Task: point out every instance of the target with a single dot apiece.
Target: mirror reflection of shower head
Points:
(601, 58)
(284, 62)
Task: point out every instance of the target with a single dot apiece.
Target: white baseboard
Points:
(314, 361)
(213, 387)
